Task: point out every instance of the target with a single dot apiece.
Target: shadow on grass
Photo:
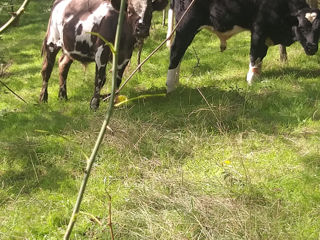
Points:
(266, 111)
(35, 148)
(294, 71)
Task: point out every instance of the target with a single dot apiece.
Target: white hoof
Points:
(172, 79)
(171, 88)
(254, 72)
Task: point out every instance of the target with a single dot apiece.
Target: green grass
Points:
(239, 163)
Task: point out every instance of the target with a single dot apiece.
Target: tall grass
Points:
(234, 162)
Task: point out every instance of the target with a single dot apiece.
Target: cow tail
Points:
(43, 48)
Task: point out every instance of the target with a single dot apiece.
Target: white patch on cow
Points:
(78, 53)
(173, 79)
(170, 26)
(224, 36)
(254, 71)
(51, 49)
(311, 16)
(98, 57)
(124, 63)
(140, 8)
(69, 19)
(93, 19)
(56, 24)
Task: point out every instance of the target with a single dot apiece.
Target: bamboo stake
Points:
(154, 51)
(103, 127)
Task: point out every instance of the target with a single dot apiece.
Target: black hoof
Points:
(63, 95)
(43, 97)
(94, 104)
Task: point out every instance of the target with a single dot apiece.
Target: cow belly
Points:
(224, 36)
(84, 58)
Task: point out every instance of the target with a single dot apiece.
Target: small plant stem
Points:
(93, 217)
(103, 127)
(109, 218)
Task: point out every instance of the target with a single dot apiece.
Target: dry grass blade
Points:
(220, 125)
(109, 214)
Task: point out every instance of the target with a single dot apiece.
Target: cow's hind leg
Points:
(50, 52)
(64, 66)
(121, 67)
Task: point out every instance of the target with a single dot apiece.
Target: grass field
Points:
(216, 159)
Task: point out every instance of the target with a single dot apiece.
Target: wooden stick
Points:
(12, 92)
(15, 16)
(154, 51)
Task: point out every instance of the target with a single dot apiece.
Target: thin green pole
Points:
(103, 127)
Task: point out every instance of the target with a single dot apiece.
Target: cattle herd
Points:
(270, 22)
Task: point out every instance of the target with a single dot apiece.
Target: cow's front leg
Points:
(184, 37)
(101, 58)
(121, 67)
(100, 80)
(258, 51)
(64, 66)
(120, 70)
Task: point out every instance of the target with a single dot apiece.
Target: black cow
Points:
(269, 21)
(68, 29)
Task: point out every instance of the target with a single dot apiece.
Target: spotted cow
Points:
(69, 28)
(270, 22)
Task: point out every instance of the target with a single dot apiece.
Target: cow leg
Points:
(140, 46)
(47, 66)
(64, 66)
(100, 80)
(283, 53)
(101, 59)
(181, 42)
(258, 51)
(121, 67)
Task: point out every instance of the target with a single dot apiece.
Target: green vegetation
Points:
(238, 162)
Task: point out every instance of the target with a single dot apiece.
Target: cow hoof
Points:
(63, 95)
(223, 48)
(94, 104)
(43, 97)
(171, 88)
(251, 77)
(172, 79)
